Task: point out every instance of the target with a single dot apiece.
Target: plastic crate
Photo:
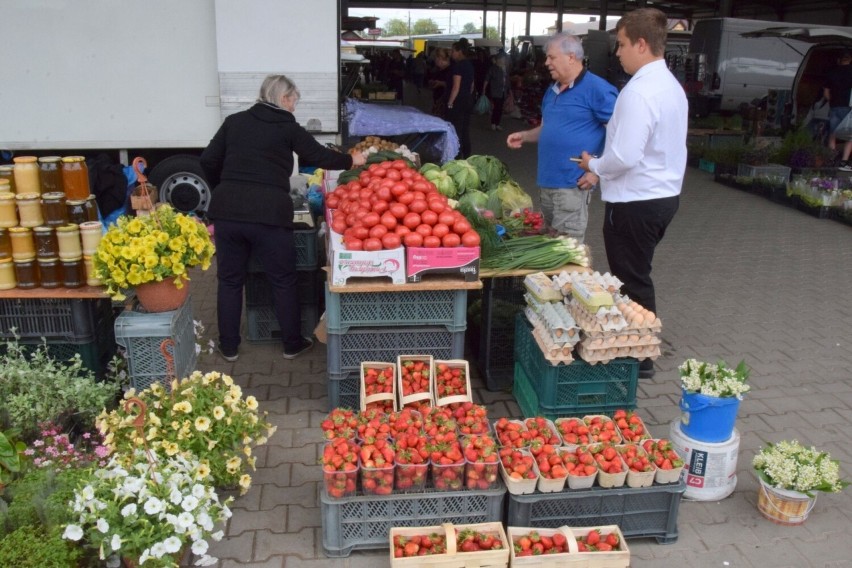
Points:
(364, 522)
(55, 319)
(776, 172)
(577, 387)
(347, 350)
(645, 512)
(263, 325)
(142, 334)
(259, 291)
(502, 299)
(344, 391)
(446, 308)
(307, 255)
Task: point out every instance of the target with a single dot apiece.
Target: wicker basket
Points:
(783, 506)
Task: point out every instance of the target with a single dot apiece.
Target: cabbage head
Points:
(464, 175)
(442, 180)
(477, 199)
(490, 169)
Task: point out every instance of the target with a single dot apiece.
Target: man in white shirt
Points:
(641, 170)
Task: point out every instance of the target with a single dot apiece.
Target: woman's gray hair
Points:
(276, 86)
(567, 43)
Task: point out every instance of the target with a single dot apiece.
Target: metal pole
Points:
(529, 11)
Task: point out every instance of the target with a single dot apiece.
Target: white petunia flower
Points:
(153, 506)
(198, 491)
(185, 520)
(205, 561)
(103, 525)
(172, 544)
(115, 543)
(72, 532)
(158, 550)
(189, 503)
(128, 510)
(199, 547)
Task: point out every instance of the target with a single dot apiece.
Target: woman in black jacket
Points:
(249, 163)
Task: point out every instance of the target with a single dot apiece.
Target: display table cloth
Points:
(367, 119)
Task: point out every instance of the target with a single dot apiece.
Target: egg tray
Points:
(542, 287)
(607, 340)
(553, 353)
(561, 326)
(606, 281)
(593, 356)
(605, 320)
(558, 340)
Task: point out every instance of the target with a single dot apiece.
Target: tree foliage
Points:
(425, 26)
(395, 27)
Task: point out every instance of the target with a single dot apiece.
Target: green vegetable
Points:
(464, 175)
(485, 228)
(443, 182)
(508, 198)
(477, 199)
(491, 170)
(429, 168)
(535, 253)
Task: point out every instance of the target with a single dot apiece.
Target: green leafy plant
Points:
(33, 547)
(36, 388)
(10, 457)
(714, 380)
(792, 466)
(41, 496)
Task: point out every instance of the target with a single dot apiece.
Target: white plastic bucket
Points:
(710, 469)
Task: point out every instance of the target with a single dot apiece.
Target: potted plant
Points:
(204, 416)
(711, 396)
(147, 509)
(154, 249)
(790, 475)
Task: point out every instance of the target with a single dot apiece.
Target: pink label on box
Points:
(440, 260)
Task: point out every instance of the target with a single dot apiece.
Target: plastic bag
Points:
(483, 105)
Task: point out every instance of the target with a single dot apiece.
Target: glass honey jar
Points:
(68, 237)
(75, 177)
(26, 273)
(90, 234)
(29, 210)
(76, 209)
(8, 210)
(53, 209)
(5, 244)
(7, 172)
(7, 274)
(73, 272)
(91, 276)
(46, 244)
(23, 245)
(5, 186)
(49, 175)
(26, 174)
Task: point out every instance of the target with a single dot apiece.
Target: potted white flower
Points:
(711, 396)
(790, 474)
(147, 510)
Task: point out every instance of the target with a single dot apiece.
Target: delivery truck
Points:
(156, 78)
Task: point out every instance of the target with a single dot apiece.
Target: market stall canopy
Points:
(391, 120)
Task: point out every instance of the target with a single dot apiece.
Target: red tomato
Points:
(431, 242)
(380, 206)
(354, 244)
(429, 217)
(384, 193)
(437, 205)
(419, 194)
(339, 225)
(401, 230)
(418, 206)
(398, 210)
(332, 201)
(413, 240)
(440, 229)
(378, 231)
(424, 229)
(411, 220)
(399, 188)
(451, 240)
(420, 186)
(394, 175)
(407, 173)
(447, 218)
(372, 244)
(400, 165)
(391, 241)
(461, 227)
(380, 172)
(388, 220)
(351, 219)
(370, 219)
(360, 232)
(406, 198)
(470, 239)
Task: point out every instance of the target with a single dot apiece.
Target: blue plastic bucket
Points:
(708, 418)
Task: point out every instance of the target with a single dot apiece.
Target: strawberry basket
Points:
(541, 547)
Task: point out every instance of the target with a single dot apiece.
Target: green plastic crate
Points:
(576, 387)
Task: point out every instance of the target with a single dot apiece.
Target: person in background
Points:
(248, 163)
(461, 99)
(575, 110)
(439, 81)
(496, 87)
(642, 167)
(396, 72)
(419, 70)
(837, 92)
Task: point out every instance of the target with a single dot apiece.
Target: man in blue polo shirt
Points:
(574, 112)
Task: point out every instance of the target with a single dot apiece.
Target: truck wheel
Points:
(180, 181)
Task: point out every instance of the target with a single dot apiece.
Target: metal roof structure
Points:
(805, 11)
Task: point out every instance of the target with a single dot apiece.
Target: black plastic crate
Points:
(55, 319)
(258, 290)
(344, 391)
(307, 251)
(502, 298)
(639, 512)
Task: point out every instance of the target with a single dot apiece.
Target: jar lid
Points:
(4, 260)
(7, 168)
(24, 159)
(72, 159)
(28, 196)
(9, 196)
(49, 159)
(91, 225)
(69, 228)
(20, 230)
(43, 229)
(72, 259)
(75, 202)
(25, 259)
(52, 195)
(49, 259)
(4, 181)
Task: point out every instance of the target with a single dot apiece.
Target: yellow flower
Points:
(211, 444)
(251, 461)
(152, 433)
(245, 481)
(171, 448)
(233, 465)
(236, 391)
(252, 418)
(261, 441)
(203, 472)
(183, 406)
(202, 423)
(227, 380)
(251, 403)
(247, 451)
(218, 412)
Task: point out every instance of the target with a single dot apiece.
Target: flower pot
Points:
(708, 418)
(783, 506)
(162, 296)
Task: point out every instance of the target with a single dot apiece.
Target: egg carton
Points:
(605, 282)
(607, 354)
(554, 353)
(557, 318)
(542, 287)
(637, 316)
(621, 340)
(604, 319)
(558, 335)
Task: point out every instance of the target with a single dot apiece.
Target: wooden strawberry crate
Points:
(452, 365)
(549, 560)
(368, 375)
(600, 559)
(428, 367)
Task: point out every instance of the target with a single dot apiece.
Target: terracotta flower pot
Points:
(162, 296)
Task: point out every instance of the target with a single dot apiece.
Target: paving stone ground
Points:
(737, 277)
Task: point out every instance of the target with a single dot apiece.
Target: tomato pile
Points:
(415, 377)
(378, 381)
(535, 544)
(392, 204)
(419, 545)
(594, 541)
(450, 380)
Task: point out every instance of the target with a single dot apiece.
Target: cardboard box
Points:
(462, 261)
(346, 264)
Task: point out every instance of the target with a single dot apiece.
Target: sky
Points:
(452, 21)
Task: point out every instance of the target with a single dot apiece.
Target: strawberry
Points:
(373, 424)
(518, 464)
(340, 423)
(415, 377)
(406, 422)
(512, 433)
(630, 426)
(541, 428)
(450, 379)
(471, 418)
(378, 380)
(636, 458)
(602, 429)
(447, 464)
(481, 457)
(412, 463)
(340, 467)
